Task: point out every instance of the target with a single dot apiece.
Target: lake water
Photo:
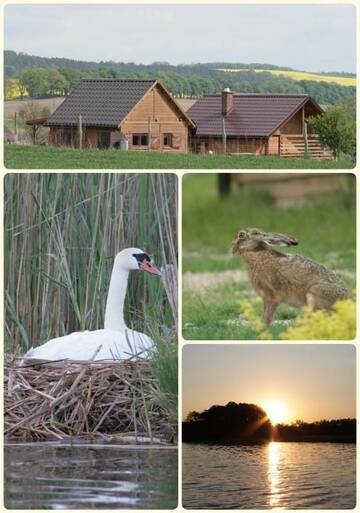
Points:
(274, 475)
(53, 476)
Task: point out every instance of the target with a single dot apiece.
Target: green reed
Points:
(62, 232)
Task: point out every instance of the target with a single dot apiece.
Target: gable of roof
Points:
(252, 115)
(104, 103)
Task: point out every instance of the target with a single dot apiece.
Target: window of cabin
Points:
(66, 137)
(140, 140)
(103, 140)
(168, 140)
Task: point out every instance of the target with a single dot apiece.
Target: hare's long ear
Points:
(279, 239)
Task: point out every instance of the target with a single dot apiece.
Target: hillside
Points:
(303, 75)
(41, 77)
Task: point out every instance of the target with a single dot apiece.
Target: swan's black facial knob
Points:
(144, 262)
(142, 256)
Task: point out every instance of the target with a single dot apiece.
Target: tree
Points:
(336, 129)
(21, 80)
(10, 88)
(232, 422)
(34, 80)
(56, 83)
(32, 110)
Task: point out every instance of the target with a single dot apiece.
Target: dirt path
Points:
(198, 282)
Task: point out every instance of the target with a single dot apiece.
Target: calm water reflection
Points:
(275, 475)
(42, 476)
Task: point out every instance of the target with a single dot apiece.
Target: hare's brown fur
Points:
(285, 277)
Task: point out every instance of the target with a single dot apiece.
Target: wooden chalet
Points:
(261, 124)
(129, 114)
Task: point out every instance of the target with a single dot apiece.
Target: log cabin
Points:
(260, 124)
(139, 115)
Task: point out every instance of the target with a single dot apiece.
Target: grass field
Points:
(214, 281)
(46, 157)
(301, 75)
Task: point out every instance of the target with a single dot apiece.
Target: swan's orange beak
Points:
(146, 266)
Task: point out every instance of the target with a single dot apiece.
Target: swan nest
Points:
(45, 400)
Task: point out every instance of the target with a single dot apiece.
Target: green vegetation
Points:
(215, 284)
(62, 232)
(40, 77)
(337, 128)
(47, 157)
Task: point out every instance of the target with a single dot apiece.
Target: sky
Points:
(305, 37)
(314, 381)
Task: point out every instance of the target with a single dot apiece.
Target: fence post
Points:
(224, 135)
(15, 126)
(80, 132)
(149, 133)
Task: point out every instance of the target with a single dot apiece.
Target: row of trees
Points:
(43, 77)
(339, 429)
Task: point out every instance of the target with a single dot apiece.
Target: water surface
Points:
(275, 475)
(56, 476)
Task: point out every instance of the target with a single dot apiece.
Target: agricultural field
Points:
(47, 157)
(301, 75)
(215, 283)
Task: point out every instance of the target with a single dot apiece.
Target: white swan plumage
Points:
(115, 341)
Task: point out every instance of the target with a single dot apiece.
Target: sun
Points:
(277, 411)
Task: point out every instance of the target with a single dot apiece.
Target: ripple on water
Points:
(71, 477)
(276, 475)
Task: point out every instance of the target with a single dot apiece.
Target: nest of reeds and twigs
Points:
(58, 400)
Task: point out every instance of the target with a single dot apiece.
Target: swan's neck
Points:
(114, 313)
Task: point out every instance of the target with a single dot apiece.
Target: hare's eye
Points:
(241, 235)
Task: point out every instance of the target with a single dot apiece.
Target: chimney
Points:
(227, 98)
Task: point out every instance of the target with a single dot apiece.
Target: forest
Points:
(40, 77)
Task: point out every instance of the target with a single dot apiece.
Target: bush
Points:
(336, 324)
(336, 130)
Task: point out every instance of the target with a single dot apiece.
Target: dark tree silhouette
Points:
(233, 423)
(337, 430)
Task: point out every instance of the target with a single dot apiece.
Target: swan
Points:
(115, 341)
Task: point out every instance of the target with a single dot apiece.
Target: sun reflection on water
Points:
(274, 474)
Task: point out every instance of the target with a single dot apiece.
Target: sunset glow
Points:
(277, 411)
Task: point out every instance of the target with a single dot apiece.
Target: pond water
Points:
(58, 476)
(274, 475)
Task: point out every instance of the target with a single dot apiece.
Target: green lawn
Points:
(214, 281)
(44, 157)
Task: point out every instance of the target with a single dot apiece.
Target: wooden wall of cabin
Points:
(68, 136)
(274, 145)
(295, 125)
(164, 119)
(214, 144)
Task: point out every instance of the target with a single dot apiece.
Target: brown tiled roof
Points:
(252, 115)
(100, 102)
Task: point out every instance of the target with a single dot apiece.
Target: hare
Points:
(285, 277)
